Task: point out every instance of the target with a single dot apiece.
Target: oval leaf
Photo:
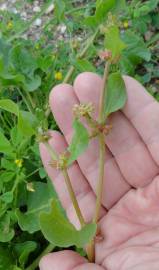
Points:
(79, 141)
(115, 94)
(60, 232)
(9, 105)
(5, 146)
(113, 41)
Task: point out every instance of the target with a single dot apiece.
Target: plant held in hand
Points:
(54, 225)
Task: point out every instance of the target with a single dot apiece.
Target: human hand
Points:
(130, 205)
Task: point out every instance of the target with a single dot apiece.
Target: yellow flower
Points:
(126, 24)
(19, 162)
(9, 25)
(58, 76)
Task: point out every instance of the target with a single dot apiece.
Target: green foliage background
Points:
(27, 75)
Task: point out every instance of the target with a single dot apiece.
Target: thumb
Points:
(66, 260)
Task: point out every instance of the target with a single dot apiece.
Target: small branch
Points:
(35, 263)
(69, 74)
(101, 136)
(101, 177)
(103, 93)
(101, 119)
(50, 150)
(73, 197)
(90, 249)
(29, 107)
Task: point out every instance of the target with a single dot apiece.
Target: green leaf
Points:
(85, 65)
(42, 173)
(36, 202)
(60, 9)
(79, 141)
(16, 268)
(7, 197)
(33, 83)
(16, 136)
(5, 146)
(27, 123)
(7, 233)
(113, 41)
(145, 8)
(9, 105)
(26, 120)
(136, 48)
(23, 61)
(23, 250)
(8, 164)
(115, 93)
(126, 66)
(102, 8)
(7, 176)
(6, 259)
(60, 232)
(119, 6)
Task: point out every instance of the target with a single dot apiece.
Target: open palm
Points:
(130, 205)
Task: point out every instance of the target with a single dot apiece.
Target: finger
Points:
(63, 97)
(136, 213)
(143, 111)
(66, 260)
(134, 258)
(123, 141)
(83, 192)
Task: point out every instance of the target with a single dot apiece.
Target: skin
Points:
(130, 205)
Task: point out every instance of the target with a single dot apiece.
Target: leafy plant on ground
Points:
(28, 71)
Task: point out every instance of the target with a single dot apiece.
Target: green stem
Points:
(32, 173)
(101, 177)
(103, 93)
(51, 151)
(73, 197)
(68, 184)
(101, 119)
(4, 123)
(35, 263)
(25, 101)
(99, 191)
(30, 99)
(69, 74)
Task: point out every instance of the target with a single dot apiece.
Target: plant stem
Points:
(51, 151)
(103, 93)
(101, 160)
(90, 249)
(25, 101)
(30, 99)
(68, 184)
(69, 74)
(101, 119)
(101, 177)
(35, 263)
(73, 197)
